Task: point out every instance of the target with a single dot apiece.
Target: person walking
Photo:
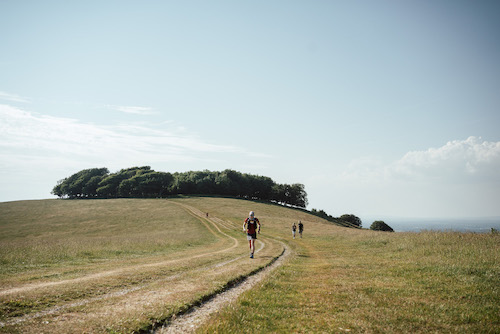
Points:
(250, 226)
(294, 228)
(301, 228)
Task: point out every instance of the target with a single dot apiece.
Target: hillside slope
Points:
(65, 263)
(121, 265)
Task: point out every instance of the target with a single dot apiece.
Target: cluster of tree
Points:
(347, 220)
(380, 225)
(143, 182)
(147, 183)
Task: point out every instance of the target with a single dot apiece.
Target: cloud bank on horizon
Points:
(456, 161)
(459, 175)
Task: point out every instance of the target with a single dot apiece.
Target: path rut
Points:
(190, 321)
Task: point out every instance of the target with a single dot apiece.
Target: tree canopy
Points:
(143, 182)
(344, 220)
(380, 225)
(354, 220)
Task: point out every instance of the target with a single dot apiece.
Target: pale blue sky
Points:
(381, 108)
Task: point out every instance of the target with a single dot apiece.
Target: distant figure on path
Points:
(207, 214)
(250, 226)
(294, 228)
(301, 228)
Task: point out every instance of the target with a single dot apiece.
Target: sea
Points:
(476, 225)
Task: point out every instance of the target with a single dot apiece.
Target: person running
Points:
(250, 226)
(294, 228)
(301, 228)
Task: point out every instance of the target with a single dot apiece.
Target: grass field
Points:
(119, 265)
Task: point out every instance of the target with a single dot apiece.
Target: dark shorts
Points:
(251, 236)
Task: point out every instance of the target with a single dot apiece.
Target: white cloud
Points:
(13, 97)
(457, 160)
(22, 131)
(133, 110)
(459, 178)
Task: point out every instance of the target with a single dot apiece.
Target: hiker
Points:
(294, 228)
(250, 226)
(301, 228)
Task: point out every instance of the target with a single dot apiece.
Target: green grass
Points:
(337, 280)
(363, 281)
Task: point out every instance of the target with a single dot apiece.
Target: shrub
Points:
(379, 225)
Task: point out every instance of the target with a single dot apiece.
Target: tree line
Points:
(143, 182)
(347, 220)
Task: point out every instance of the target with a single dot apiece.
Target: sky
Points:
(380, 108)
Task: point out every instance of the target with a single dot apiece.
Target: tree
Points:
(90, 188)
(59, 190)
(81, 184)
(110, 186)
(379, 225)
(278, 193)
(298, 195)
(265, 187)
(154, 184)
(352, 219)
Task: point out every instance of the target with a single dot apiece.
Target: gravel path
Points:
(189, 322)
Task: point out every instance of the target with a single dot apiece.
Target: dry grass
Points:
(111, 266)
(340, 280)
(44, 234)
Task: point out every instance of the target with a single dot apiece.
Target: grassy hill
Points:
(120, 265)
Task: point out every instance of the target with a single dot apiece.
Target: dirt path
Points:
(123, 292)
(61, 308)
(191, 210)
(141, 293)
(190, 321)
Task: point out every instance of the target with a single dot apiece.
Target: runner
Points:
(294, 228)
(301, 228)
(250, 226)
